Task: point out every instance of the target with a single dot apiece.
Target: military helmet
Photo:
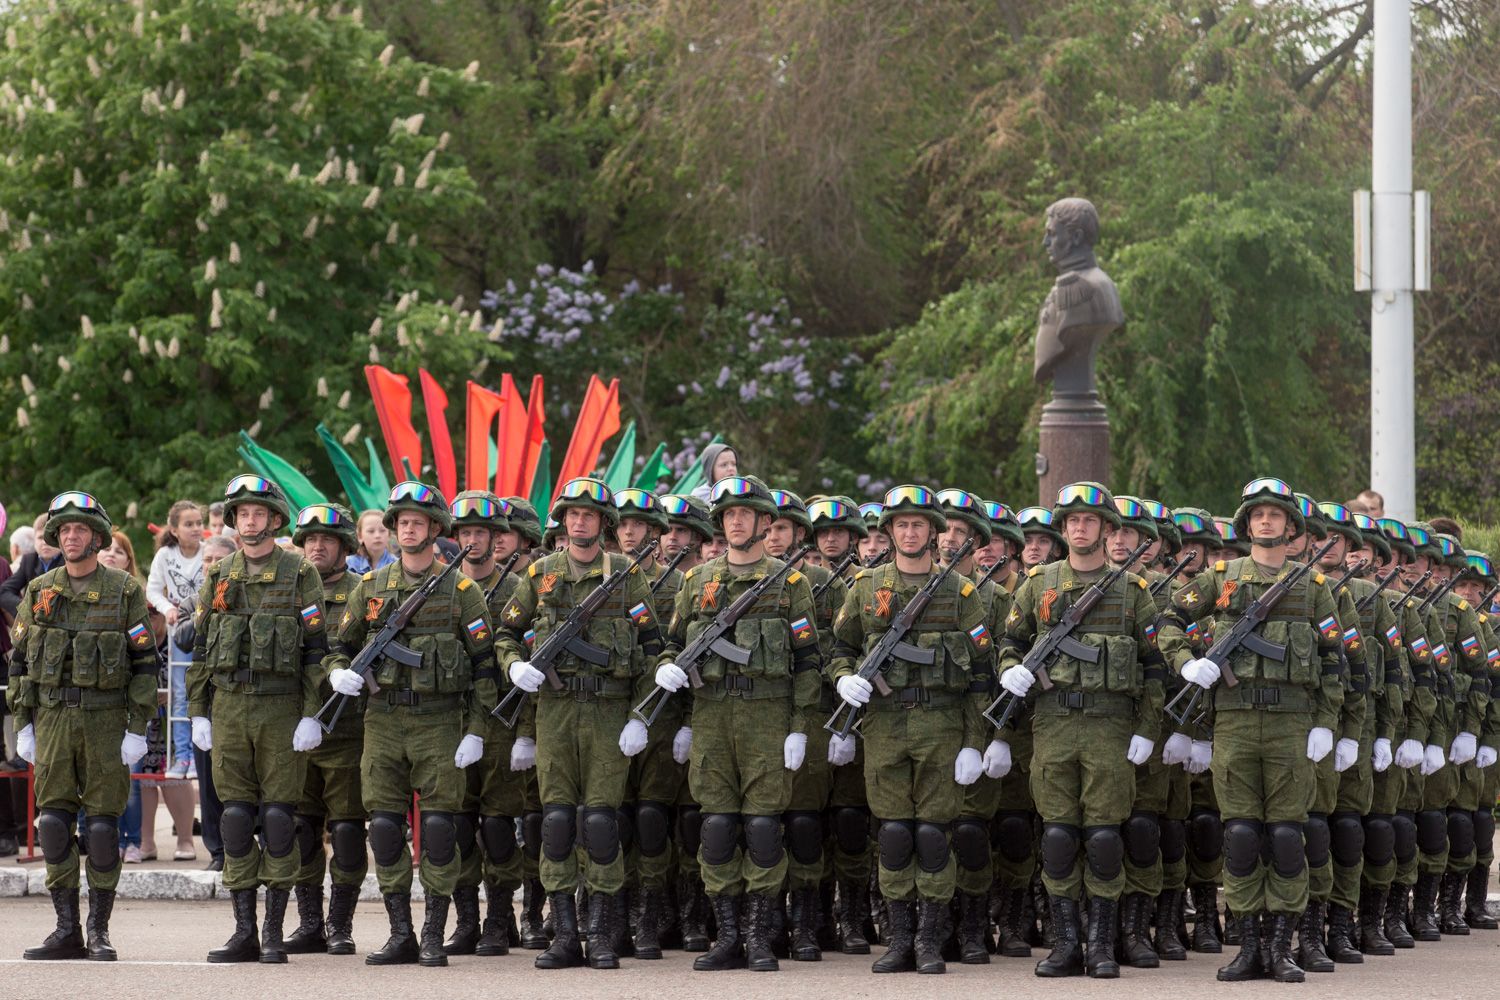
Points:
(1452, 551)
(1085, 498)
(1133, 514)
(1040, 520)
(967, 507)
(551, 532)
(479, 509)
(1340, 520)
(586, 493)
(1372, 536)
(869, 517)
(740, 491)
(523, 519)
(1229, 536)
(1423, 540)
(76, 505)
(327, 519)
(790, 506)
(838, 512)
(1478, 566)
(1003, 521)
(1269, 491)
(911, 499)
(1397, 535)
(1166, 528)
(419, 497)
(687, 511)
(641, 505)
(1194, 524)
(1312, 516)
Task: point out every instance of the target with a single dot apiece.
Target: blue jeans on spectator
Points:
(209, 806)
(182, 731)
(130, 819)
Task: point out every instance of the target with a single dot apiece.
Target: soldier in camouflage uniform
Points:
(1471, 814)
(875, 547)
(82, 688)
(420, 727)
(331, 799)
(1478, 579)
(261, 637)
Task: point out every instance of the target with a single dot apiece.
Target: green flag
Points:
(694, 475)
(365, 493)
(656, 469)
(298, 488)
(617, 476)
(541, 481)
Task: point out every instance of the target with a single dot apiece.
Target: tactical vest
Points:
(1108, 630)
(611, 629)
(433, 633)
(248, 645)
(89, 653)
(335, 603)
(761, 634)
(1283, 682)
(936, 656)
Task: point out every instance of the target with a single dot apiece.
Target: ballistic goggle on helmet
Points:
(1277, 493)
(421, 498)
(966, 507)
(84, 508)
(327, 519)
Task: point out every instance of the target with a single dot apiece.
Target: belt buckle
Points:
(1072, 699)
(72, 697)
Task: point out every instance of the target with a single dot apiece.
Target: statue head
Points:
(1072, 231)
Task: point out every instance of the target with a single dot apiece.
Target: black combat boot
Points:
(565, 951)
(827, 933)
(533, 933)
(1396, 916)
(932, 930)
(1013, 941)
(1135, 932)
(309, 937)
(1476, 912)
(759, 926)
(620, 930)
(648, 923)
(101, 903)
(431, 952)
(1231, 932)
(1451, 904)
(272, 948)
(244, 944)
(973, 929)
(1066, 957)
(1312, 954)
(805, 909)
(601, 931)
(1169, 905)
(1424, 918)
(494, 935)
(1246, 965)
(692, 915)
(340, 930)
(401, 947)
(726, 953)
(852, 940)
(1099, 956)
(900, 949)
(1283, 968)
(1372, 939)
(466, 925)
(1341, 936)
(66, 941)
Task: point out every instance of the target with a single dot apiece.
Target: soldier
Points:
(836, 528)
(1044, 543)
(1091, 732)
(82, 688)
(1270, 728)
(1479, 578)
(928, 728)
(584, 734)
(875, 547)
(327, 535)
(420, 731)
(688, 527)
(258, 664)
(1471, 815)
(1006, 542)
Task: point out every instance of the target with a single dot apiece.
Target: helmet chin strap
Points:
(1271, 543)
(585, 543)
(749, 543)
(1088, 550)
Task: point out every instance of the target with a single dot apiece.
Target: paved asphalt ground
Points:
(162, 946)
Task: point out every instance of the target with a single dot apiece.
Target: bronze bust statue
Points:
(1082, 307)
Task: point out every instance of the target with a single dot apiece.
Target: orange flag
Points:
(393, 406)
(536, 435)
(509, 472)
(435, 402)
(598, 421)
(481, 407)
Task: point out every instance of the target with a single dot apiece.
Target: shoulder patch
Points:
(966, 589)
(1221, 566)
(1463, 605)
(689, 574)
(1141, 582)
(1319, 579)
(1033, 571)
(794, 577)
(531, 570)
(464, 583)
(368, 576)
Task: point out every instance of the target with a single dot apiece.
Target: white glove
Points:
(671, 677)
(794, 750)
(26, 744)
(1345, 753)
(526, 677)
(523, 754)
(997, 759)
(1319, 743)
(345, 681)
(1408, 754)
(682, 744)
(1433, 759)
(1484, 758)
(1140, 750)
(855, 690)
(1017, 680)
(1201, 757)
(840, 750)
(203, 733)
(132, 748)
(1380, 755)
(307, 736)
(1176, 749)
(1202, 672)
(633, 738)
(967, 766)
(1464, 748)
(470, 751)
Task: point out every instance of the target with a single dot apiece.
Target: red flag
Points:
(509, 472)
(536, 435)
(479, 420)
(598, 421)
(435, 402)
(393, 406)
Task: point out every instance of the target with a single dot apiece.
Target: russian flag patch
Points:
(1493, 657)
(801, 628)
(1470, 647)
(640, 614)
(1419, 644)
(1329, 627)
(1440, 653)
(530, 637)
(1151, 633)
(1351, 638)
(1191, 630)
(311, 616)
(980, 634)
(1393, 636)
(478, 630)
(140, 635)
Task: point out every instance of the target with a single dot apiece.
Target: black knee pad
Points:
(1141, 833)
(971, 843)
(601, 833)
(559, 831)
(531, 835)
(851, 829)
(763, 841)
(1460, 833)
(625, 824)
(348, 839)
(1242, 847)
(439, 837)
(1316, 834)
(54, 830)
(1380, 839)
(1404, 827)
(237, 828)
(466, 833)
(1289, 857)
(1484, 829)
(1173, 841)
(499, 836)
(719, 833)
(898, 841)
(1346, 839)
(1206, 834)
(1104, 847)
(308, 833)
(932, 846)
(1060, 849)
(104, 843)
(278, 822)
(653, 827)
(1432, 831)
(690, 829)
(1014, 836)
(387, 837)
(804, 835)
